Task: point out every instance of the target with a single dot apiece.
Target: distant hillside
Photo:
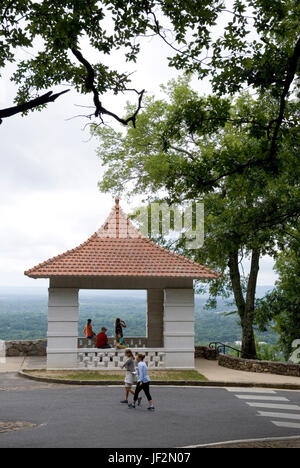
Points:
(23, 315)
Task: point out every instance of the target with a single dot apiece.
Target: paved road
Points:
(93, 417)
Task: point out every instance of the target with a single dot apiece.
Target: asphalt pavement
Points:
(66, 416)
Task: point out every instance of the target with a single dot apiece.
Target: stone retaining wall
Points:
(251, 365)
(25, 348)
(39, 348)
(206, 353)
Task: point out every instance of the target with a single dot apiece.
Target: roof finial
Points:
(117, 201)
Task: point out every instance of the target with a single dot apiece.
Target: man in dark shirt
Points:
(102, 340)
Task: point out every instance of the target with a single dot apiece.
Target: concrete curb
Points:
(179, 383)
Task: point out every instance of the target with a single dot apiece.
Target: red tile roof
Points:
(119, 249)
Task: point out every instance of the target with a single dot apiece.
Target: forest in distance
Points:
(23, 316)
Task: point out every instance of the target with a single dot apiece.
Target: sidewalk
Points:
(215, 373)
(210, 369)
(15, 364)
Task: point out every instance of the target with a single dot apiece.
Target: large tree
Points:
(59, 37)
(253, 43)
(249, 43)
(189, 147)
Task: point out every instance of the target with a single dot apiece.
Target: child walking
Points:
(143, 382)
(129, 365)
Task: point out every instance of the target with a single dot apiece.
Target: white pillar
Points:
(179, 331)
(63, 314)
(155, 312)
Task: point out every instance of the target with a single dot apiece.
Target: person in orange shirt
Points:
(88, 331)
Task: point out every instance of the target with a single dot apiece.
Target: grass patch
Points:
(176, 375)
(164, 375)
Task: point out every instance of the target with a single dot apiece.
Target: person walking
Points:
(143, 383)
(129, 365)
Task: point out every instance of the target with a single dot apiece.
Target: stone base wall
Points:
(251, 365)
(206, 353)
(26, 348)
(39, 348)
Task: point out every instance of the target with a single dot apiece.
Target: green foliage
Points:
(241, 43)
(104, 311)
(282, 305)
(25, 318)
(173, 152)
(255, 46)
(267, 348)
(268, 352)
(222, 156)
(51, 30)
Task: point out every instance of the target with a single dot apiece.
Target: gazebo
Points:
(118, 256)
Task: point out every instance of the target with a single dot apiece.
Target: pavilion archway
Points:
(118, 257)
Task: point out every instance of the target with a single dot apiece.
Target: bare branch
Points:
(176, 49)
(39, 101)
(90, 86)
(184, 151)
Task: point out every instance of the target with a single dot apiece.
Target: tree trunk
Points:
(248, 340)
(245, 307)
(248, 343)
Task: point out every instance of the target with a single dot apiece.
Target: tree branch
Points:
(8, 6)
(184, 151)
(291, 72)
(90, 86)
(238, 168)
(39, 101)
(235, 277)
(182, 52)
(252, 282)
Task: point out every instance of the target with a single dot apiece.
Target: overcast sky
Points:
(49, 199)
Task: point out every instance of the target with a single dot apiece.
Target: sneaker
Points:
(151, 408)
(131, 406)
(139, 401)
(124, 401)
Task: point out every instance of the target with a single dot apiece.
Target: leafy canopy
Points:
(187, 147)
(58, 34)
(281, 307)
(235, 43)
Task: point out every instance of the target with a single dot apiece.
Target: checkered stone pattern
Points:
(112, 359)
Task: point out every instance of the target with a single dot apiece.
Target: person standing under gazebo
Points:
(119, 325)
(88, 331)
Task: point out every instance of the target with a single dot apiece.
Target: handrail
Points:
(132, 341)
(217, 345)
